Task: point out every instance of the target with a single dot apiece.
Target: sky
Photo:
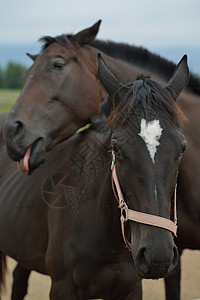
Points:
(152, 24)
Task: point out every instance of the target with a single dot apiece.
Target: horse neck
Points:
(189, 103)
(121, 69)
(144, 61)
(139, 58)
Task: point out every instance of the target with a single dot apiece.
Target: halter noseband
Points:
(129, 214)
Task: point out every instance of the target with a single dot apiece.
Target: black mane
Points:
(141, 57)
(137, 56)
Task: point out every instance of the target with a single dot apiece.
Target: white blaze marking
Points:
(151, 133)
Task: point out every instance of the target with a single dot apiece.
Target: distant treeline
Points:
(11, 77)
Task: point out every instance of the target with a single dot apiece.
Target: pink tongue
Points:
(22, 165)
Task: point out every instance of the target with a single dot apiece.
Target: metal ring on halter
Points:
(113, 159)
(124, 209)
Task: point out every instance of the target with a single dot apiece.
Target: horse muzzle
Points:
(156, 255)
(20, 148)
(33, 158)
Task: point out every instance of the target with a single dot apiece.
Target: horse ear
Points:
(87, 35)
(109, 81)
(33, 57)
(180, 78)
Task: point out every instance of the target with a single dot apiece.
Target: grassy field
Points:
(7, 99)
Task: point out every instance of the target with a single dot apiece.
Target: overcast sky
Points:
(147, 23)
(144, 22)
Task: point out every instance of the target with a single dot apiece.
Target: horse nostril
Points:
(141, 260)
(14, 129)
(156, 264)
(20, 128)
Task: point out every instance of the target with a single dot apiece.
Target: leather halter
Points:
(129, 214)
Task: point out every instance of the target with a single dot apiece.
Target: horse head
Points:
(147, 145)
(57, 98)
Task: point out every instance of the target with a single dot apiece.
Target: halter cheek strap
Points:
(129, 214)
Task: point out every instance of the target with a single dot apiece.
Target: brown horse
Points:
(50, 107)
(38, 124)
(62, 113)
(70, 226)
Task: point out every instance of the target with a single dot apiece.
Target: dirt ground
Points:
(152, 290)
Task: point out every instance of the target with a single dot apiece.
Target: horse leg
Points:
(172, 282)
(20, 283)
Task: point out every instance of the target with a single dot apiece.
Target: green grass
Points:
(7, 99)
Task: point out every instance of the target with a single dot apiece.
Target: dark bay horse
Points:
(70, 227)
(34, 123)
(188, 192)
(50, 107)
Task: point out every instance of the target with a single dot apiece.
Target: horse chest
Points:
(97, 278)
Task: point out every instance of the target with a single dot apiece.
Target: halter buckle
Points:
(113, 159)
(124, 209)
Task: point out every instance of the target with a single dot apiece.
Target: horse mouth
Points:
(33, 157)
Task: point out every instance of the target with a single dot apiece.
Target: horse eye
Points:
(58, 65)
(183, 148)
